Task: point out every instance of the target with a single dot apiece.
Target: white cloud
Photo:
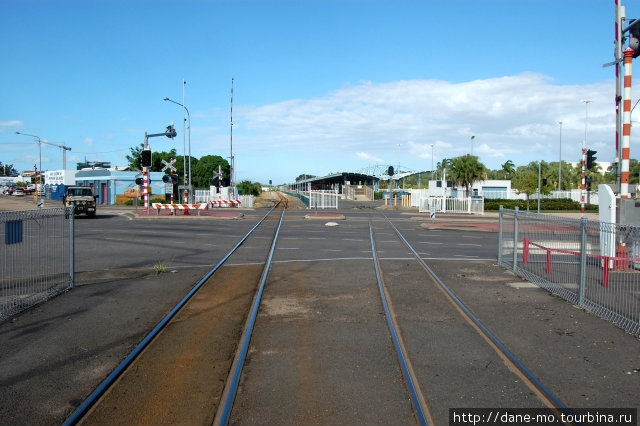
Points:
(368, 157)
(512, 118)
(10, 124)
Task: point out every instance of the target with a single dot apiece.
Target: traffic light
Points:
(171, 132)
(139, 181)
(634, 38)
(173, 179)
(390, 171)
(591, 159)
(145, 158)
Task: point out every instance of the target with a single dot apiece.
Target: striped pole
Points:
(145, 188)
(626, 125)
(619, 16)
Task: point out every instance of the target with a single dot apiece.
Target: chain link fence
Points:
(37, 257)
(594, 265)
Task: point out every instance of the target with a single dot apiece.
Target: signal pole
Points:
(626, 125)
(231, 165)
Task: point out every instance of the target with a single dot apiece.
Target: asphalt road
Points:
(56, 353)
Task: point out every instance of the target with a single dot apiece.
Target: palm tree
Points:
(466, 170)
(442, 166)
(508, 168)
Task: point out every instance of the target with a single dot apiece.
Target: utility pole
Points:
(560, 160)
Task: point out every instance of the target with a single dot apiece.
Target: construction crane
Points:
(64, 153)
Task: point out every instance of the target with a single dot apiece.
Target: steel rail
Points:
(419, 405)
(549, 397)
(111, 378)
(223, 412)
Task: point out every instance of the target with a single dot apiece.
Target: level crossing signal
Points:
(591, 159)
(171, 132)
(173, 179)
(145, 158)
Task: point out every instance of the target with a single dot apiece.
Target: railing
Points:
(471, 205)
(37, 257)
(594, 265)
(323, 199)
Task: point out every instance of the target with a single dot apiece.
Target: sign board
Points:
(169, 165)
(60, 177)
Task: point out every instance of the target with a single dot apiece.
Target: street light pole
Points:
(431, 162)
(472, 138)
(560, 160)
(189, 131)
(583, 192)
(586, 120)
(39, 185)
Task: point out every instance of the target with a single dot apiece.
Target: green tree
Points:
(442, 166)
(247, 188)
(526, 178)
(7, 169)
(466, 170)
(508, 168)
(205, 171)
(134, 159)
(304, 176)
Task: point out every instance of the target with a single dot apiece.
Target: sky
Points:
(318, 86)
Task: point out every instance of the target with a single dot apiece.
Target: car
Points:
(18, 193)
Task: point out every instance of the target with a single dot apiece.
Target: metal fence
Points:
(323, 199)
(594, 265)
(470, 205)
(37, 257)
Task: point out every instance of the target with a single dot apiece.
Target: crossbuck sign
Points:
(169, 165)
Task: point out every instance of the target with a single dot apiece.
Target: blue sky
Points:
(319, 86)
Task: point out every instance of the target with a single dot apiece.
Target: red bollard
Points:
(548, 261)
(525, 250)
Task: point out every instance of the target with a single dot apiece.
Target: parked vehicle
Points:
(18, 193)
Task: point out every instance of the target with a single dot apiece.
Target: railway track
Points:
(325, 355)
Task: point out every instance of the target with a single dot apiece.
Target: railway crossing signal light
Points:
(390, 171)
(171, 132)
(591, 159)
(173, 179)
(145, 158)
(634, 38)
(139, 181)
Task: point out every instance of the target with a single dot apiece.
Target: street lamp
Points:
(560, 160)
(431, 162)
(586, 120)
(183, 147)
(584, 153)
(40, 153)
(472, 138)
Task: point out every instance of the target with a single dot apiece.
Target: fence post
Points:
(583, 260)
(72, 247)
(515, 239)
(500, 235)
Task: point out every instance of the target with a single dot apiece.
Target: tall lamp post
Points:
(583, 191)
(560, 160)
(472, 138)
(40, 166)
(189, 130)
(431, 162)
